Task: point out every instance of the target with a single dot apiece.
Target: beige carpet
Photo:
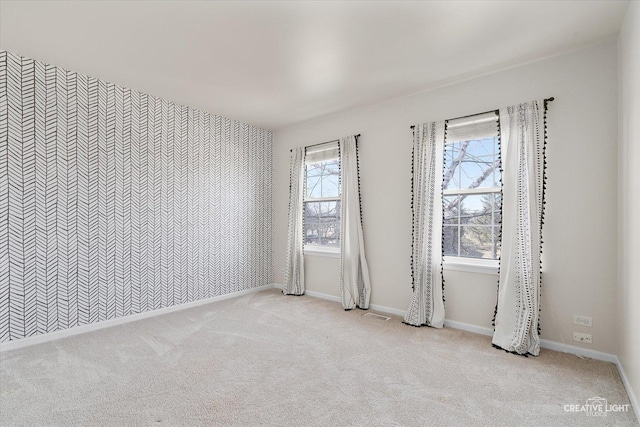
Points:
(266, 359)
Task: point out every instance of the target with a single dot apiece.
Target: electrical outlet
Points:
(583, 338)
(582, 320)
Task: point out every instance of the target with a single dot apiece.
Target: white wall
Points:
(580, 244)
(629, 203)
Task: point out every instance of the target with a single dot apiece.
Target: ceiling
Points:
(274, 64)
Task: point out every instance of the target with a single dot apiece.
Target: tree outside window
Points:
(472, 199)
(322, 204)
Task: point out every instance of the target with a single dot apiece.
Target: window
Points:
(472, 189)
(322, 199)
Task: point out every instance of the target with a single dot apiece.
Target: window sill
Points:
(323, 251)
(470, 265)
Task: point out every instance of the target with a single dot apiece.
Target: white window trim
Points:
(322, 251)
(479, 190)
(468, 264)
(471, 265)
(322, 199)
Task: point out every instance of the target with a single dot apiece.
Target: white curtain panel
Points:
(427, 303)
(522, 149)
(294, 275)
(355, 285)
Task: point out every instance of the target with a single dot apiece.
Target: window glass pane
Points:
(322, 223)
(471, 173)
(450, 207)
(480, 163)
(330, 222)
(329, 209)
(451, 170)
(479, 173)
(323, 179)
(313, 169)
(311, 233)
(313, 186)
(494, 178)
(331, 184)
(471, 164)
(482, 148)
(450, 240)
(311, 211)
(476, 209)
(476, 242)
(332, 167)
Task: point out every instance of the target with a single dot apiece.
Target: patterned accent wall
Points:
(115, 202)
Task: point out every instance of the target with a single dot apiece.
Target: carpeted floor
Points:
(266, 359)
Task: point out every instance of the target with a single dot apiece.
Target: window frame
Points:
(320, 250)
(472, 264)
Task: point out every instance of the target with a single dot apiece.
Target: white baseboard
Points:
(627, 385)
(483, 330)
(388, 310)
(38, 339)
(578, 351)
(323, 296)
(335, 298)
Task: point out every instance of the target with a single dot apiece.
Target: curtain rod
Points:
(326, 142)
(547, 100)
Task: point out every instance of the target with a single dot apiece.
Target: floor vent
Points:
(377, 316)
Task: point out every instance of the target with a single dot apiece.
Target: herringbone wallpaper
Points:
(115, 202)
